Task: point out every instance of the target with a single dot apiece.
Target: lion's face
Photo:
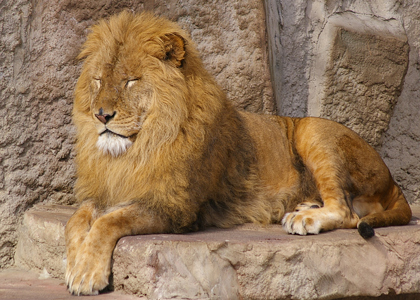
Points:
(121, 97)
(127, 75)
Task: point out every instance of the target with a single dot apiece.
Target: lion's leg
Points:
(335, 213)
(92, 268)
(322, 157)
(77, 229)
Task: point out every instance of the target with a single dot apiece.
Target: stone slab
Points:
(41, 239)
(246, 262)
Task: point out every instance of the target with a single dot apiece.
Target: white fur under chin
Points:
(113, 144)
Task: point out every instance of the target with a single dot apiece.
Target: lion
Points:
(160, 149)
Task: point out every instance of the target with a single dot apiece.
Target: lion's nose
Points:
(104, 118)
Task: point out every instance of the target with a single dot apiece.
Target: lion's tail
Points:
(397, 213)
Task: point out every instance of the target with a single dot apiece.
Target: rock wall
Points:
(39, 41)
(357, 73)
(356, 62)
(37, 76)
(401, 143)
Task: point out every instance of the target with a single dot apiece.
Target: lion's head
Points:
(143, 102)
(134, 79)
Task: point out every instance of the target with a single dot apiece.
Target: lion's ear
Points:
(174, 48)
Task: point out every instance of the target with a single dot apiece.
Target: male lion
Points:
(161, 150)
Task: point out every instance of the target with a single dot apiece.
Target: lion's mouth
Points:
(107, 131)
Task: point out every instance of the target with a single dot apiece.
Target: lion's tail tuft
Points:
(397, 213)
(365, 230)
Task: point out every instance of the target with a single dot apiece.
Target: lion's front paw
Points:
(88, 276)
(301, 222)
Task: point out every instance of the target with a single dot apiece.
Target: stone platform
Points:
(247, 262)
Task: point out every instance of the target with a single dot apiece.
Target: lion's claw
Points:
(80, 286)
(89, 282)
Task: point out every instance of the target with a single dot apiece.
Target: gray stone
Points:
(275, 48)
(358, 72)
(247, 262)
(401, 144)
(290, 49)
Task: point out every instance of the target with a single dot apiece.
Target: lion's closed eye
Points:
(131, 82)
(97, 82)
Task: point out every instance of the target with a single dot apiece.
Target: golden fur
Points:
(160, 149)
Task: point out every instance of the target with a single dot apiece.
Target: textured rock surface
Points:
(248, 262)
(38, 45)
(357, 73)
(37, 74)
(290, 51)
(401, 144)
